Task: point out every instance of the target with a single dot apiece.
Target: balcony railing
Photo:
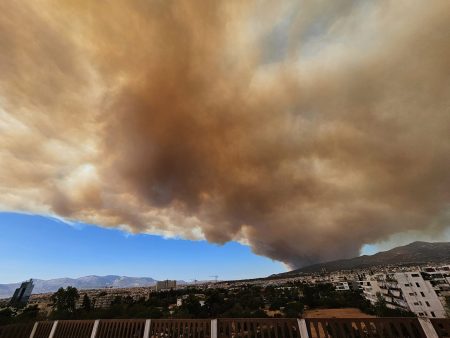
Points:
(258, 328)
(442, 326)
(234, 328)
(367, 327)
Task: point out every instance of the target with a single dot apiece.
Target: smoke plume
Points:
(304, 129)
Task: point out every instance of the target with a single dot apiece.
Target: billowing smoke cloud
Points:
(303, 128)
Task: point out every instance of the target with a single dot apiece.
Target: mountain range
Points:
(414, 253)
(87, 282)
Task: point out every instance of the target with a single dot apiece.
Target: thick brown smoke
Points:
(303, 128)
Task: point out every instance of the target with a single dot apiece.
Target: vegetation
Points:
(29, 314)
(64, 302)
(381, 310)
(291, 300)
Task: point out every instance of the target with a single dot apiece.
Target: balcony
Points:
(395, 293)
(232, 328)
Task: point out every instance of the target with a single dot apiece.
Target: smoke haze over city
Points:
(304, 129)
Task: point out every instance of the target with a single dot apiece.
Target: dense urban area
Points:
(379, 291)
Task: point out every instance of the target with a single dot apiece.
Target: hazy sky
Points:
(306, 130)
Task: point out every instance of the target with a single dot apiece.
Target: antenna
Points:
(215, 277)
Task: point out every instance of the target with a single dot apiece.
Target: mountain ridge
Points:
(418, 252)
(84, 282)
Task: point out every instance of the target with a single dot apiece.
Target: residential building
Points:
(438, 278)
(166, 285)
(404, 291)
(370, 287)
(22, 294)
(342, 286)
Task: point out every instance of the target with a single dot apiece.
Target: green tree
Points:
(30, 313)
(6, 316)
(86, 305)
(237, 311)
(380, 306)
(381, 309)
(64, 300)
(191, 307)
(293, 309)
(215, 303)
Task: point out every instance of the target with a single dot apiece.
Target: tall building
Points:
(405, 291)
(438, 278)
(22, 294)
(166, 285)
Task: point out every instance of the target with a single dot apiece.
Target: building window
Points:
(417, 284)
(432, 314)
(416, 303)
(407, 284)
(421, 314)
(422, 294)
(415, 275)
(428, 304)
(412, 293)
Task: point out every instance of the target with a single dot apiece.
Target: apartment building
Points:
(405, 291)
(371, 288)
(419, 294)
(439, 279)
(342, 286)
(166, 285)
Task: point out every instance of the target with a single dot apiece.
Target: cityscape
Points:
(225, 169)
(380, 291)
(420, 291)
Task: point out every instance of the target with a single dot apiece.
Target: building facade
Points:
(22, 294)
(166, 285)
(405, 291)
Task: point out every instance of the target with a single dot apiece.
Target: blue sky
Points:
(41, 247)
(33, 246)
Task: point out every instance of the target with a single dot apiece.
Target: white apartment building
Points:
(370, 287)
(405, 291)
(439, 279)
(342, 286)
(420, 295)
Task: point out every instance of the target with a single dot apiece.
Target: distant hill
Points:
(87, 282)
(414, 253)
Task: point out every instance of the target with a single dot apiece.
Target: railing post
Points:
(148, 322)
(428, 328)
(95, 328)
(302, 328)
(52, 332)
(213, 328)
(34, 330)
